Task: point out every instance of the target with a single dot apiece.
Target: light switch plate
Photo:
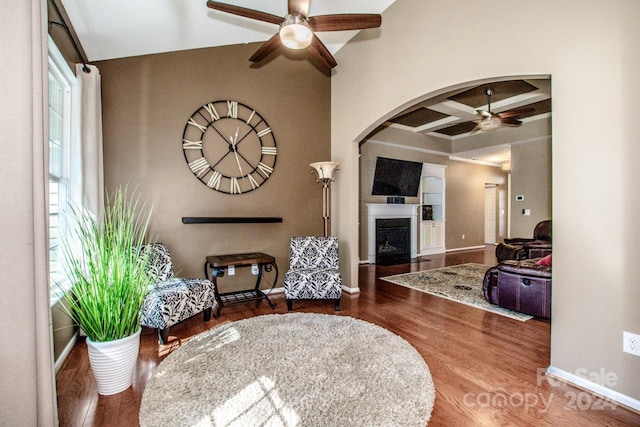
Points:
(231, 270)
(254, 269)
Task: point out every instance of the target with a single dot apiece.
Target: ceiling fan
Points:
(297, 28)
(491, 121)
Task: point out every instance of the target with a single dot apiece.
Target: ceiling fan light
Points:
(295, 33)
(490, 123)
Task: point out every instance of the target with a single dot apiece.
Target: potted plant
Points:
(110, 281)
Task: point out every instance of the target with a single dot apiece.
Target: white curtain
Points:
(91, 139)
(27, 387)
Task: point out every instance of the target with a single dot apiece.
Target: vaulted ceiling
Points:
(120, 28)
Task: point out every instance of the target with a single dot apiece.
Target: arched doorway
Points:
(442, 128)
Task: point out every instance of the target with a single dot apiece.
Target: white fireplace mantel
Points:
(387, 210)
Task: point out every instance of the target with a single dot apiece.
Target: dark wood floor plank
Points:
(473, 355)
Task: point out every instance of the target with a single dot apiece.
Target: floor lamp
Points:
(325, 172)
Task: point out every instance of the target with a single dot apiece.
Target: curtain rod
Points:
(66, 29)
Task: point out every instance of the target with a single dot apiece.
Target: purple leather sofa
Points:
(524, 248)
(522, 286)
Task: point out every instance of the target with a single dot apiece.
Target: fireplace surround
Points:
(377, 211)
(393, 240)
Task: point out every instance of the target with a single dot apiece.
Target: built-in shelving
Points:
(432, 210)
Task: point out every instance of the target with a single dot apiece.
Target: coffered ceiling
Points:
(453, 116)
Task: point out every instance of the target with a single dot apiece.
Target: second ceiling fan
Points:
(490, 120)
(297, 29)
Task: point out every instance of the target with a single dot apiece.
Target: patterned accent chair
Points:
(170, 299)
(313, 270)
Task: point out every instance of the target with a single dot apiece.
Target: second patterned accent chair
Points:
(170, 299)
(313, 270)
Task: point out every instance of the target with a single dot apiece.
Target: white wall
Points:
(589, 48)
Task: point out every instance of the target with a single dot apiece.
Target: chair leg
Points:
(217, 313)
(337, 303)
(163, 335)
(207, 314)
(289, 305)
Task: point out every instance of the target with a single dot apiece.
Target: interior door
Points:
(490, 196)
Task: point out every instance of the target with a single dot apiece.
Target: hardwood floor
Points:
(486, 367)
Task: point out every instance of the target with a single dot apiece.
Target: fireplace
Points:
(393, 240)
(378, 211)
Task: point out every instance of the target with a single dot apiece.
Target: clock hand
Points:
(234, 141)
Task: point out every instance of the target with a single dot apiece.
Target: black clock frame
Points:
(195, 139)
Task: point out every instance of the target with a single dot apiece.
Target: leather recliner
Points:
(522, 286)
(524, 248)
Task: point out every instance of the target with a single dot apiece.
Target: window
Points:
(62, 85)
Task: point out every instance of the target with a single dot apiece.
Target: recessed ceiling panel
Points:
(457, 129)
(476, 96)
(540, 107)
(418, 117)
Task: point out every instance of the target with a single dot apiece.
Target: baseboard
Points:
(470, 248)
(350, 290)
(597, 389)
(65, 353)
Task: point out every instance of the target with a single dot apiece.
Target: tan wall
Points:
(146, 103)
(63, 329)
(531, 178)
(464, 197)
(424, 49)
(60, 37)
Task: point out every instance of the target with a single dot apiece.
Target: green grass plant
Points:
(106, 262)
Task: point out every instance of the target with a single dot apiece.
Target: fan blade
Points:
(510, 122)
(244, 12)
(348, 21)
(299, 7)
(320, 51)
(516, 112)
(266, 49)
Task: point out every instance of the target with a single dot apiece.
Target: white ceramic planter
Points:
(113, 363)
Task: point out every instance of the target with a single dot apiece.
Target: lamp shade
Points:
(325, 170)
(295, 33)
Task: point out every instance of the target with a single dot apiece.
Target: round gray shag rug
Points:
(298, 369)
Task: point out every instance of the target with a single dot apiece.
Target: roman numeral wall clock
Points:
(229, 147)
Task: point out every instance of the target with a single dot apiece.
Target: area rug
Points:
(297, 369)
(460, 283)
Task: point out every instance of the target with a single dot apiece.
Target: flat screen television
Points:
(395, 177)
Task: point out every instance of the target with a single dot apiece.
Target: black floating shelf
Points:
(228, 220)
